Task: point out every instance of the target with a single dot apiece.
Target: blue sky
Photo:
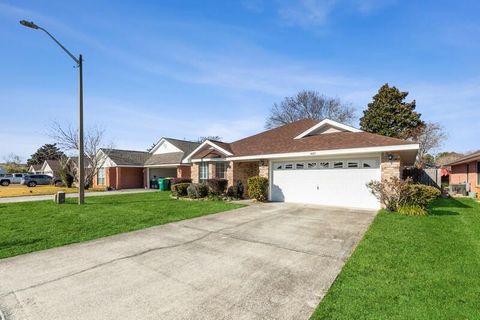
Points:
(191, 68)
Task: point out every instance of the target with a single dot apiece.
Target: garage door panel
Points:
(331, 187)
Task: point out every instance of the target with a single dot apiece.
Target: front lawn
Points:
(412, 268)
(32, 226)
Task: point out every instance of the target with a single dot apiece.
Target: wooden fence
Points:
(430, 177)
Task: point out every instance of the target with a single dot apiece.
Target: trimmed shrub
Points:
(180, 189)
(236, 191)
(258, 188)
(412, 210)
(217, 186)
(66, 178)
(421, 195)
(197, 191)
(180, 180)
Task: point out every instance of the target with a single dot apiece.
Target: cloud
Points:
(306, 12)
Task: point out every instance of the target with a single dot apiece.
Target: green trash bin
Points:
(161, 184)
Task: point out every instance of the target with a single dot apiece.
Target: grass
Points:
(412, 268)
(21, 190)
(32, 226)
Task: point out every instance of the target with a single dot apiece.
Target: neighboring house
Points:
(35, 169)
(51, 167)
(123, 169)
(466, 170)
(308, 161)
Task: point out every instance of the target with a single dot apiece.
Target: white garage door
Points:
(326, 182)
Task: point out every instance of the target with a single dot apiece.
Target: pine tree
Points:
(46, 152)
(389, 115)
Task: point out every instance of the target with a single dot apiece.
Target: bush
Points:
(197, 191)
(180, 180)
(180, 189)
(217, 186)
(258, 188)
(236, 191)
(412, 210)
(66, 178)
(396, 193)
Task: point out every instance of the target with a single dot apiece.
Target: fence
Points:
(430, 177)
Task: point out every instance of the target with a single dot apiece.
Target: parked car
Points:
(33, 180)
(11, 178)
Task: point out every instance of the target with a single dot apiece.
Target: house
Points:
(35, 168)
(51, 167)
(307, 161)
(466, 170)
(122, 169)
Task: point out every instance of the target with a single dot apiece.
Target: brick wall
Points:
(391, 168)
(458, 175)
(263, 169)
(194, 172)
(129, 178)
(184, 172)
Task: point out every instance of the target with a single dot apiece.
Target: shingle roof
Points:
(184, 145)
(174, 157)
(55, 165)
(282, 140)
(469, 157)
(127, 157)
(36, 167)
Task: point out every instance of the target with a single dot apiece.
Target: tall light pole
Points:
(79, 62)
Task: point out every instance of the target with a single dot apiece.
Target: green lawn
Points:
(412, 268)
(32, 226)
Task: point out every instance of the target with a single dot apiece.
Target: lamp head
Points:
(29, 24)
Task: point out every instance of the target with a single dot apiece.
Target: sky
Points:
(185, 69)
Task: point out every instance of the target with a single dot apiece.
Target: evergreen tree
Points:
(389, 115)
(46, 152)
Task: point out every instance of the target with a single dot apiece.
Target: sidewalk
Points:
(73, 195)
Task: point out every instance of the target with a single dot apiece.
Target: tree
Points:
(212, 138)
(430, 139)
(13, 163)
(389, 115)
(309, 105)
(67, 139)
(46, 152)
(446, 157)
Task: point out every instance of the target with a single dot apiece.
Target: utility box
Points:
(60, 197)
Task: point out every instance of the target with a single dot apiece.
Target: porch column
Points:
(147, 179)
(263, 168)
(117, 178)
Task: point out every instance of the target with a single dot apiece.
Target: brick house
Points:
(125, 169)
(307, 161)
(466, 170)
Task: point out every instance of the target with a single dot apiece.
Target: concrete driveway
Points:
(270, 261)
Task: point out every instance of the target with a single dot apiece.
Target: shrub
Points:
(180, 180)
(196, 191)
(395, 193)
(236, 191)
(412, 210)
(258, 188)
(180, 189)
(217, 186)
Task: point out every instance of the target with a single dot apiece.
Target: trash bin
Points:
(169, 183)
(161, 184)
(153, 183)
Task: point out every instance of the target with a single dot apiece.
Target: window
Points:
(352, 164)
(288, 166)
(369, 163)
(299, 165)
(278, 166)
(101, 177)
(203, 172)
(18, 175)
(220, 170)
(311, 165)
(338, 164)
(478, 173)
(324, 165)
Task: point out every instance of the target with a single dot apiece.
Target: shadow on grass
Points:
(449, 203)
(442, 213)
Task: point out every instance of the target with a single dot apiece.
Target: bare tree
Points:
(67, 139)
(430, 139)
(309, 105)
(13, 163)
(212, 138)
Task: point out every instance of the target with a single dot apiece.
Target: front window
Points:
(101, 177)
(203, 172)
(220, 170)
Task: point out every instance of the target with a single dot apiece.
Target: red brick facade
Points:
(461, 174)
(122, 178)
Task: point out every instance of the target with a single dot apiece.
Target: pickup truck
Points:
(11, 178)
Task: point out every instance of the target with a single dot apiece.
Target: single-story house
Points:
(122, 169)
(466, 170)
(307, 161)
(51, 167)
(35, 169)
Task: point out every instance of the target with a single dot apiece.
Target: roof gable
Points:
(164, 146)
(327, 126)
(222, 147)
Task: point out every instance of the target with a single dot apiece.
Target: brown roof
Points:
(469, 157)
(282, 140)
(127, 157)
(36, 167)
(55, 165)
(165, 158)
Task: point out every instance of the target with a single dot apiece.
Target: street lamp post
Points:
(79, 62)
